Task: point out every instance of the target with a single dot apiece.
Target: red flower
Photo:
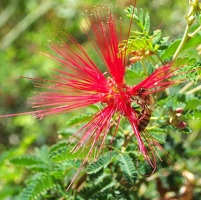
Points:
(81, 83)
(159, 80)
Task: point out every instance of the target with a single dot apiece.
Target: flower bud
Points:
(181, 125)
(179, 110)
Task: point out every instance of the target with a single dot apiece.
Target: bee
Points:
(146, 102)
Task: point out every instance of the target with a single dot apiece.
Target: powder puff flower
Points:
(81, 83)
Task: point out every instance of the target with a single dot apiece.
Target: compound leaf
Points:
(38, 186)
(102, 162)
(128, 168)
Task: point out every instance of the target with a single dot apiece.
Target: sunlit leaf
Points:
(169, 52)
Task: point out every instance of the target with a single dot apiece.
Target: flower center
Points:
(118, 93)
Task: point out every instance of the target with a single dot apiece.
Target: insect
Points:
(146, 102)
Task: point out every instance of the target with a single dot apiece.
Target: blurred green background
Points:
(25, 29)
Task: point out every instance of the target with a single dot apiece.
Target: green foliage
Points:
(141, 43)
(158, 134)
(62, 152)
(79, 119)
(132, 77)
(168, 53)
(128, 168)
(192, 104)
(135, 74)
(143, 21)
(190, 71)
(38, 186)
(26, 160)
(30, 162)
(98, 189)
(102, 162)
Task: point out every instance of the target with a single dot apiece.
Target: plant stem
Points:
(195, 32)
(194, 90)
(194, 7)
(8, 12)
(188, 85)
(159, 58)
(183, 41)
(185, 87)
(14, 33)
(144, 68)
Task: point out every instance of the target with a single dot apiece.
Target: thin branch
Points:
(194, 90)
(190, 19)
(185, 38)
(25, 23)
(159, 58)
(7, 12)
(144, 68)
(195, 32)
(185, 87)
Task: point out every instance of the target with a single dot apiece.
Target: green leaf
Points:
(40, 185)
(140, 13)
(43, 153)
(158, 134)
(132, 77)
(193, 42)
(164, 39)
(68, 131)
(63, 153)
(57, 146)
(38, 168)
(137, 46)
(147, 22)
(102, 162)
(97, 188)
(156, 36)
(169, 52)
(190, 71)
(185, 60)
(143, 21)
(79, 119)
(141, 44)
(128, 168)
(197, 114)
(193, 103)
(26, 161)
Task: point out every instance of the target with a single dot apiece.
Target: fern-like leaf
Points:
(141, 44)
(37, 187)
(189, 68)
(63, 153)
(39, 168)
(190, 72)
(26, 160)
(158, 134)
(57, 146)
(79, 119)
(102, 162)
(143, 21)
(193, 103)
(128, 168)
(96, 189)
(137, 46)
